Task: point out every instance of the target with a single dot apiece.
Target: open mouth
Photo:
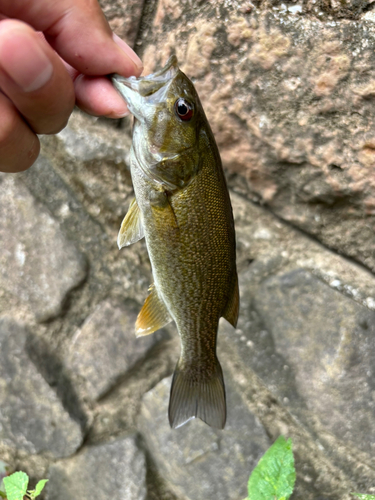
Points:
(147, 85)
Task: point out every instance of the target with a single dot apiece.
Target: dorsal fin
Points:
(131, 228)
(153, 315)
(233, 305)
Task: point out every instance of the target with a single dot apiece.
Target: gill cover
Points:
(167, 124)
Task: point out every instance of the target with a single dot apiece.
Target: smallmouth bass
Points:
(182, 208)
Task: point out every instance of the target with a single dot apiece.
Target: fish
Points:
(182, 208)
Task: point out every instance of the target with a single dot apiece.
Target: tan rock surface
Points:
(289, 98)
(124, 17)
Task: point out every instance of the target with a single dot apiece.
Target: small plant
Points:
(274, 476)
(16, 484)
(272, 479)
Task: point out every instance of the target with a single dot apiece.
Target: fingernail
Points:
(120, 115)
(23, 60)
(129, 52)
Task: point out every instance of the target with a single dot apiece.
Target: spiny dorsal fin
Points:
(232, 308)
(131, 228)
(153, 316)
(193, 397)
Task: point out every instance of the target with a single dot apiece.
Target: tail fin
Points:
(192, 398)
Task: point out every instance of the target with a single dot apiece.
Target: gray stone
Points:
(105, 348)
(86, 138)
(91, 155)
(200, 462)
(31, 416)
(39, 266)
(115, 470)
(273, 246)
(268, 247)
(328, 342)
(315, 350)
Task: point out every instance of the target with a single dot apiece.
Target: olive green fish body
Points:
(183, 209)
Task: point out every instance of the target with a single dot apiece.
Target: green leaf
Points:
(274, 476)
(2, 494)
(16, 485)
(361, 496)
(38, 489)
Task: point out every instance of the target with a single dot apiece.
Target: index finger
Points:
(79, 32)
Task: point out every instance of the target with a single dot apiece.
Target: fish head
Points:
(167, 112)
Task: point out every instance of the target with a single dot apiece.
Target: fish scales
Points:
(183, 210)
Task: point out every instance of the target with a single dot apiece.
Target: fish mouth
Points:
(150, 89)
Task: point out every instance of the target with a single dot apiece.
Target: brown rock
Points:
(124, 17)
(297, 128)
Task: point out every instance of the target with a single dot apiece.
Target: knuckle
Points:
(51, 128)
(8, 124)
(19, 147)
(54, 119)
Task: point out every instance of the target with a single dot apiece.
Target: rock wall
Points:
(289, 95)
(288, 89)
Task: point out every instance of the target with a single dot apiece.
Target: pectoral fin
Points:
(165, 219)
(176, 172)
(153, 316)
(232, 308)
(131, 228)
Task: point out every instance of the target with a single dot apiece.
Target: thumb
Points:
(80, 34)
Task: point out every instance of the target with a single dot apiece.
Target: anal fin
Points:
(233, 305)
(153, 315)
(131, 228)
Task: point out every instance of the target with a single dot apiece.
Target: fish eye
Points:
(184, 109)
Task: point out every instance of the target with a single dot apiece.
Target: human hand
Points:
(42, 78)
